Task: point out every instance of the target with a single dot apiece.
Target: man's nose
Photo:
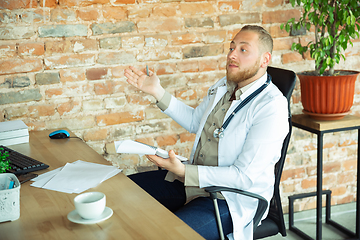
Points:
(232, 55)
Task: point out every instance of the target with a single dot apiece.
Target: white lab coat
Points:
(248, 151)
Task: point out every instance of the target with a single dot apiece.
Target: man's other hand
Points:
(171, 164)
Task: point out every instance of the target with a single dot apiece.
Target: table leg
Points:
(356, 234)
(358, 190)
(319, 187)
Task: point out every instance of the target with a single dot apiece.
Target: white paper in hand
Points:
(129, 146)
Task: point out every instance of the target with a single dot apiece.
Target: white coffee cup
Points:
(90, 205)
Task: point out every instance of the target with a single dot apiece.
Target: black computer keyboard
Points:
(21, 163)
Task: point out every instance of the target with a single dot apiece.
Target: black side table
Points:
(306, 123)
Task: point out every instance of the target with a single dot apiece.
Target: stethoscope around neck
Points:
(219, 132)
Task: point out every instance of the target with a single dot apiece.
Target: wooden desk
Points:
(306, 123)
(43, 213)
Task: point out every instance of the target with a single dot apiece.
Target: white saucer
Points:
(73, 216)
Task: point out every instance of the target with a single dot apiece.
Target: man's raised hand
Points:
(148, 84)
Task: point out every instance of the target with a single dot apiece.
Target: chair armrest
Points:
(262, 204)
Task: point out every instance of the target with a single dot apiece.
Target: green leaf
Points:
(337, 58)
(322, 69)
(328, 60)
(342, 55)
(344, 45)
(308, 26)
(341, 38)
(287, 28)
(348, 20)
(353, 19)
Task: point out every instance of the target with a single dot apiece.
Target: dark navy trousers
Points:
(199, 213)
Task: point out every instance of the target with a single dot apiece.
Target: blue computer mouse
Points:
(59, 134)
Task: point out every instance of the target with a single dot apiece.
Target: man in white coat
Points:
(240, 127)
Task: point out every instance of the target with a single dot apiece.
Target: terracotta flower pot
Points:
(327, 97)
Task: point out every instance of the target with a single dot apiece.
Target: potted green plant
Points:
(324, 94)
(4, 162)
(9, 190)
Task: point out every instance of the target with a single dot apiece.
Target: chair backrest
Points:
(285, 81)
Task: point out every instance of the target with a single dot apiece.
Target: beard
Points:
(242, 74)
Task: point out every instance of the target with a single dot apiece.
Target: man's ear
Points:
(265, 59)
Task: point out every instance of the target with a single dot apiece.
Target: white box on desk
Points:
(13, 141)
(9, 198)
(13, 132)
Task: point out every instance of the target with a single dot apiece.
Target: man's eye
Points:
(231, 49)
(243, 50)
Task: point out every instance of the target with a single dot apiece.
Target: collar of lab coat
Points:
(256, 84)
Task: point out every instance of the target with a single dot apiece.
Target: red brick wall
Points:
(62, 63)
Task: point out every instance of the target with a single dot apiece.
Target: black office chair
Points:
(274, 222)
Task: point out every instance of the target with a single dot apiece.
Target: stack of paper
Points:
(13, 132)
(75, 177)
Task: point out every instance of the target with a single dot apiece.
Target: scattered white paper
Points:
(133, 147)
(42, 179)
(75, 177)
